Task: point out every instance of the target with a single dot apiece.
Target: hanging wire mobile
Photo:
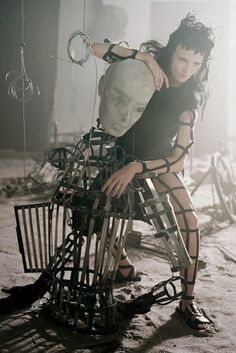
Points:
(21, 86)
(86, 50)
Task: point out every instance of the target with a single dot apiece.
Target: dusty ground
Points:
(158, 331)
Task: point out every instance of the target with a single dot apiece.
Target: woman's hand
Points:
(158, 74)
(159, 77)
(118, 181)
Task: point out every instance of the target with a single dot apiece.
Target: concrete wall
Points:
(40, 37)
(70, 102)
(135, 21)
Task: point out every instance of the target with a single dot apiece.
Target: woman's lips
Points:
(185, 77)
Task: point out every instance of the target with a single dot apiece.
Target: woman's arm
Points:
(118, 181)
(111, 53)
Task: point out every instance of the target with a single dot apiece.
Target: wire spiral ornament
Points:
(20, 86)
(86, 47)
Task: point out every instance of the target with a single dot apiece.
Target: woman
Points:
(160, 140)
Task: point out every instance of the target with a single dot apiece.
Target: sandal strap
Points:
(123, 257)
(195, 317)
(194, 310)
(116, 248)
(126, 266)
(132, 276)
(187, 297)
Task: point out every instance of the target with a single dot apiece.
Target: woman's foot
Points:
(194, 316)
(127, 273)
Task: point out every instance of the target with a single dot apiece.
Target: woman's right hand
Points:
(159, 76)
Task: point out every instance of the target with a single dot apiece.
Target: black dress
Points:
(153, 135)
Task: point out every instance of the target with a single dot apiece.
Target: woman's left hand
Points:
(159, 76)
(118, 181)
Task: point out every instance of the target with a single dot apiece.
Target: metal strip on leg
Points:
(159, 212)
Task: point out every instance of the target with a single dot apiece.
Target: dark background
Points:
(41, 28)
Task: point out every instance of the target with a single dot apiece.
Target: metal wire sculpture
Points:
(78, 237)
(158, 211)
(84, 265)
(86, 47)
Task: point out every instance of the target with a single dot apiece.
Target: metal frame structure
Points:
(79, 236)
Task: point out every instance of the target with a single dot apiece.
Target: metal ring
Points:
(86, 44)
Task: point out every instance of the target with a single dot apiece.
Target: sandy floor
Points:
(158, 331)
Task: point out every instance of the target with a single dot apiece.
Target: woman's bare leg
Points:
(173, 184)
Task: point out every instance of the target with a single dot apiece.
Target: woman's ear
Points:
(101, 85)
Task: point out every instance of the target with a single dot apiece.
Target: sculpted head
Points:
(124, 91)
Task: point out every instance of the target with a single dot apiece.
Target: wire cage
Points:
(78, 237)
(81, 247)
(85, 264)
(32, 229)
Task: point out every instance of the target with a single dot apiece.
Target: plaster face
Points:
(124, 90)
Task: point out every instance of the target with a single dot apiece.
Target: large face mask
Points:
(124, 90)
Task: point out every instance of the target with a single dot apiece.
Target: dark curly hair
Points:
(192, 35)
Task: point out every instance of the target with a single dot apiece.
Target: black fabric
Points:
(152, 136)
(23, 296)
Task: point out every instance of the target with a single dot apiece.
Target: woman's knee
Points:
(192, 220)
(187, 220)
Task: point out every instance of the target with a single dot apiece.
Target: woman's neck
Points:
(173, 82)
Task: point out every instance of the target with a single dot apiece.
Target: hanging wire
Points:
(85, 47)
(95, 93)
(86, 52)
(21, 86)
(84, 15)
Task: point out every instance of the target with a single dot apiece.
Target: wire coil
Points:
(21, 86)
(86, 48)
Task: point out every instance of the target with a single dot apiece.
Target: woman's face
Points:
(184, 64)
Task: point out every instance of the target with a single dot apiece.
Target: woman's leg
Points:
(174, 185)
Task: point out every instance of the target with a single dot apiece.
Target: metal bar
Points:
(63, 236)
(88, 244)
(55, 238)
(102, 243)
(111, 239)
(39, 238)
(19, 238)
(27, 239)
(45, 236)
(32, 238)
